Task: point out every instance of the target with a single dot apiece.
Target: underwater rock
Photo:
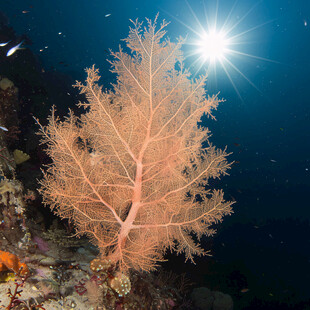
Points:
(6, 83)
(222, 301)
(48, 261)
(202, 298)
(205, 299)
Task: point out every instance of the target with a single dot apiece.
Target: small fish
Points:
(244, 290)
(25, 12)
(3, 128)
(273, 161)
(4, 44)
(14, 49)
(107, 15)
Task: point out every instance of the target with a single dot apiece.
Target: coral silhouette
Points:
(132, 172)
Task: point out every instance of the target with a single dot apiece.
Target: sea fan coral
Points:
(133, 171)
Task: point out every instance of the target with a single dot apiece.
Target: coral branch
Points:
(132, 172)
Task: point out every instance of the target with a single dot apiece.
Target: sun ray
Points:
(196, 18)
(251, 29)
(229, 14)
(216, 14)
(231, 80)
(243, 17)
(243, 75)
(218, 42)
(254, 56)
(182, 23)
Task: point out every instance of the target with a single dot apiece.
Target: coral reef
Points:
(61, 237)
(9, 261)
(43, 265)
(12, 218)
(121, 284)
(9, 105)
(132, 173)
(20, 157)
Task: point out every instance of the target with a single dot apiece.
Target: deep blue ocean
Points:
(264, 247)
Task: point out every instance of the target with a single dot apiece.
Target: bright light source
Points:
(213, 46)
(218, 41)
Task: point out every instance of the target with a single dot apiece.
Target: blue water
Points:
(265, 123)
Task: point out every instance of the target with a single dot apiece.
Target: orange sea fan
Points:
(132, 172)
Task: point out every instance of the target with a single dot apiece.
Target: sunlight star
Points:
(213, 45)
(217, 42)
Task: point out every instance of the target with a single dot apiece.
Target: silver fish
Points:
(14, 49)
(3, 128)
(4, 43)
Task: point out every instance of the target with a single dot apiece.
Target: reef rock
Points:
(205, 299)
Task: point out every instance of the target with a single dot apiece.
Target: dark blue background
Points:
(267, 130)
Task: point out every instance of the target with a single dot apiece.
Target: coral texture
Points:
(132, 172)
(9, 261)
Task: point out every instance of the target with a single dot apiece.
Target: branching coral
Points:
(15, 301)
(132, 173)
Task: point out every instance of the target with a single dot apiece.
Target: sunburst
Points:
(217, 43)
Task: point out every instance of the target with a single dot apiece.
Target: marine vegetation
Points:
(132, 172)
